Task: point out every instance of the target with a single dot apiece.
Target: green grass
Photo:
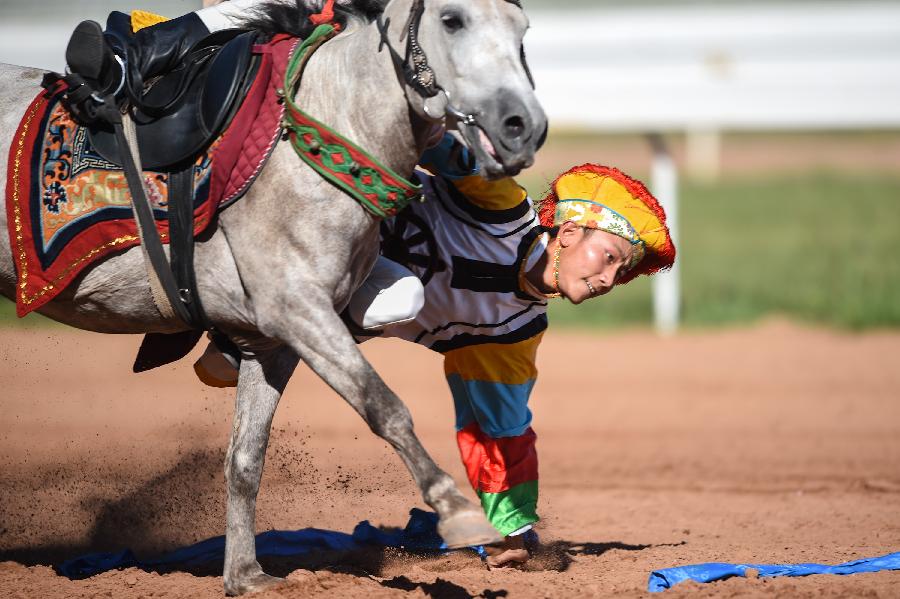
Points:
(816, 247)
(8, 317)
(821, 248)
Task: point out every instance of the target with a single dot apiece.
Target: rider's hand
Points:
(450, 159)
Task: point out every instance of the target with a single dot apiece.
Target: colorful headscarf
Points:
(602, 197)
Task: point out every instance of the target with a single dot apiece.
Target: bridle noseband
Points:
(414, 66)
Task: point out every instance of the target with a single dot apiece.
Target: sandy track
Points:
(777, 443)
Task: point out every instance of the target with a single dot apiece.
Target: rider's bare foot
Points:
(511, 552)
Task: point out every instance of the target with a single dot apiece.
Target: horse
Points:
(282, 262)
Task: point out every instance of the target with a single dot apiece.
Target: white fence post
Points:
(666, 285)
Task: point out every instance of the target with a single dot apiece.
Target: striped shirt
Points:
(470, 258)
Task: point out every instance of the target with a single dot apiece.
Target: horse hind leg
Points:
(260, 385)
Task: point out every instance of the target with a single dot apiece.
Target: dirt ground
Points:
(776, 443)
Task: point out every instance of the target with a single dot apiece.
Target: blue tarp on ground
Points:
(420, 534)
(660, 580)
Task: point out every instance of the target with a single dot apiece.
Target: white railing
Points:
(755, 66)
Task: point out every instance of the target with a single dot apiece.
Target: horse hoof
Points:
(467, 529)
(252, 584)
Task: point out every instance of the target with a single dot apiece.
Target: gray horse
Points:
(283, 262)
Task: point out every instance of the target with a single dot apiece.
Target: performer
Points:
(468, 273)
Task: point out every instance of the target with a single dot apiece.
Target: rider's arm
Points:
(452, 161)
(491, 384)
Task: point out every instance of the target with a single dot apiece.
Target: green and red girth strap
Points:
(377, 188)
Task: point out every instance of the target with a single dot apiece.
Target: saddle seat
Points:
(183, 111)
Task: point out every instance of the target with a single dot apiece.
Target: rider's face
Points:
(590, 261)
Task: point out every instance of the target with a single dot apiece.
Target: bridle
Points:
(414, 66)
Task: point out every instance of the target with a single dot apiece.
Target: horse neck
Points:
(353, 88)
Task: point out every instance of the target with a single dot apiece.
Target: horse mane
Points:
(292, 17)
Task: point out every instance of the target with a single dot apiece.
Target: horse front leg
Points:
(323, 342)
(262, 379)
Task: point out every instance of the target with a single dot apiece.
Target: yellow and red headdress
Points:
(605, 198)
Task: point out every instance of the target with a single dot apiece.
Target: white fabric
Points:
(391, 294)
(520, 531)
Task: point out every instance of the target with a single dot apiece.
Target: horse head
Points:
(464, 67)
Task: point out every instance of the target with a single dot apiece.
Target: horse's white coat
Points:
(284, 260)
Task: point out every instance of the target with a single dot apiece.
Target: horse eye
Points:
(452, 22)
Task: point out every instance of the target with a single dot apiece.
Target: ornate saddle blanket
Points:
(68, 207)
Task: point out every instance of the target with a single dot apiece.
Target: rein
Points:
(376, 187)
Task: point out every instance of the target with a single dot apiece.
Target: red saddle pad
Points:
(67, 207)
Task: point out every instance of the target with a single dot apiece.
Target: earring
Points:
(557, 293)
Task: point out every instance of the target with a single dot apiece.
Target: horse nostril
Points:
(513, 127)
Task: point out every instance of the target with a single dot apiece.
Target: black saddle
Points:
(184, 110)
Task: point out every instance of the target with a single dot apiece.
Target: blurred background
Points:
(770, 129)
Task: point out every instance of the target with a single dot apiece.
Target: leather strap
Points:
(181, 243)
(158, 349)
(162, 282)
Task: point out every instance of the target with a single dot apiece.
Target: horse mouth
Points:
(487, 147)
(486, 153)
